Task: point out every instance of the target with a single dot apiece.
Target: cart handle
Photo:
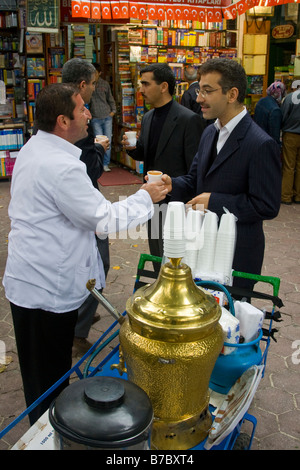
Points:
(274, 281)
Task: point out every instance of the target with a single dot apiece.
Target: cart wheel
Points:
(242, 442)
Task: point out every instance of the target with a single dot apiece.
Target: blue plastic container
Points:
(230, 367)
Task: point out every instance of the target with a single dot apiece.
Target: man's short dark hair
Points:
(77, 70)
(161, 73)
(52, 101)
(232, 75)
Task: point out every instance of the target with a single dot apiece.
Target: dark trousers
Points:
(44, 342)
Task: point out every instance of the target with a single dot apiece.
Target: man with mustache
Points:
(52, 251)
(169, 137)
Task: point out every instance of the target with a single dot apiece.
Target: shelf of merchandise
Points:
(11, 140)
(12, 74)
(133, 48)
(35, 73)
(12, 64)
(56, 51)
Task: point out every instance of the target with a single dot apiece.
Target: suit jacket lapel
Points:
(232, 143)
(205, 157)
(167, 129)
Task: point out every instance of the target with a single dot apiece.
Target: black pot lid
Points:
(102, 412)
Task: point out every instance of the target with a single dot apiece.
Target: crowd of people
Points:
(60, 222)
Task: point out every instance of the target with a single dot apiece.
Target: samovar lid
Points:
(173, 308)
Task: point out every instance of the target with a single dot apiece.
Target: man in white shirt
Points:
(237, 166)
(55, 211)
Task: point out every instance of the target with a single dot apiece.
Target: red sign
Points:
(124, 6)
(76, 9)
(105, 10)
(96, 10)
(71, 10)
(115, 9)
(283, 31)
(207, 11)
(230, 12)
(142, 8)
(133, 10)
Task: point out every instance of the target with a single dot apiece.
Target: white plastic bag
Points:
(231, 330)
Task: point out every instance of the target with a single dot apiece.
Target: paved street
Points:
(277, 402)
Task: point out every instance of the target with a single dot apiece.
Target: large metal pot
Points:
(101, 413)
(170, 343)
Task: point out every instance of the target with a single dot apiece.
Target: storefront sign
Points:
(43, 16)
(283, 31)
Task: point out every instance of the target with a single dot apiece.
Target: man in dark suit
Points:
(169, 137)
(237, 165)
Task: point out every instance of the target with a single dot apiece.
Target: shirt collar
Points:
(232, 123)
(60, 142)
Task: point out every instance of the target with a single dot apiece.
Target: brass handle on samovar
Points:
(106, 304)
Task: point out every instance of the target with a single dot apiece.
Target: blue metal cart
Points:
(85, 367)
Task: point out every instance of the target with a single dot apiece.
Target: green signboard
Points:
(43, 15)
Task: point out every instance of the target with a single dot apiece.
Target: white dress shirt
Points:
(55, 212)
(226, 130)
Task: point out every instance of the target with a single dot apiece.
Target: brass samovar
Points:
(170, 343)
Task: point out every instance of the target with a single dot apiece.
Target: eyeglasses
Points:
(205, 93)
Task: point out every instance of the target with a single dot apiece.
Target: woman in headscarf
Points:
(268, 113)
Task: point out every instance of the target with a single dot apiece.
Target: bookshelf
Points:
(11, 140)
(135, 47)
(12, 65)
(45, 55)
(105, 54)
(12, 89)
(35, 71)
(82, 41)
(56, 48)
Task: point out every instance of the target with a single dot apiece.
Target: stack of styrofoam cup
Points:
(192, 235)
(207, 244)
(225, 246)
(173, 233)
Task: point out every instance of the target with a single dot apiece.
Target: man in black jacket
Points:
(83, 74)
(169, 137)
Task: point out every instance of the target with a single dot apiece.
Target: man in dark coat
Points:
(169, 138)
(237, 166)
(83, 75)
